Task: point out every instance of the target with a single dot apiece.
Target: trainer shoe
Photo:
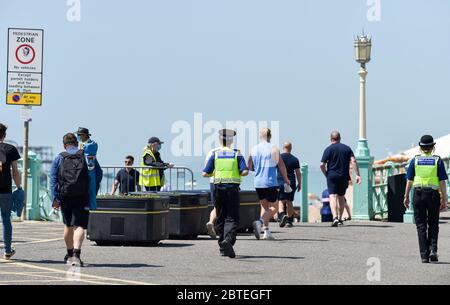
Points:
(8, 256)
(434, 257)
(68, 259)
(268, 235)
(283, 221)
(210, 229)
(228, 249)
(335, 223)
(340, 222)
(257, 229)
(289, 224)
(425, 260)
(77, 262)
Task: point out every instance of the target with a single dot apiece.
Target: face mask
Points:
(78, 138)
(159, 147)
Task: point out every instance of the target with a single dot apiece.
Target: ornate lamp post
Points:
(363, 193)
(363, 48)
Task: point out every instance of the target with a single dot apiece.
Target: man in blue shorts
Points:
(285, 199)
(335, 166)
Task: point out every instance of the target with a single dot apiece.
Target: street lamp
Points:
(363, 46)
(363, 193)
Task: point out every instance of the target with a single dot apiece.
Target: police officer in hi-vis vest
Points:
(227, 166)
(426, 173)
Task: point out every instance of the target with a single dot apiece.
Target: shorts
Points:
(74, 213)
(286, 196)
(337, 186)
(270, 194)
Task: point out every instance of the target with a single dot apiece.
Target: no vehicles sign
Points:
(24, 82)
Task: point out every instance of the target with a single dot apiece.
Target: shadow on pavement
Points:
(143, 245)
(168, 245)
(367, 226)
(51, 262)
(268, 256)
(299, 239)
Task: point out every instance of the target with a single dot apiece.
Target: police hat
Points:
(227, 134)
(427, 141)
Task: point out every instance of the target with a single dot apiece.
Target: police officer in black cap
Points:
(227, 166)
(427, 175)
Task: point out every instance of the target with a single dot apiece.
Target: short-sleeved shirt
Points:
(127, 180)
(208, 156)
(210, 165)
(337, 156)
(8, 154)
(264, 166)
(292, 163)
(412, 170)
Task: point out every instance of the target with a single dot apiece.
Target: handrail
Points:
(109, 172)
(381, 173)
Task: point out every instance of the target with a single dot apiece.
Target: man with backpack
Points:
(69, 185)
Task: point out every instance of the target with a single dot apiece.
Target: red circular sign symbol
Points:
(25, 54)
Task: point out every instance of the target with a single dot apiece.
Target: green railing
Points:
(380, 184)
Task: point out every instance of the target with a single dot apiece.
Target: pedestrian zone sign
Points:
(24, 81)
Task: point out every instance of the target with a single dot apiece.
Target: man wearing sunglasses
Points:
(127, 178)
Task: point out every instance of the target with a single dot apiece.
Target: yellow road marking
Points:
(40, 241)
(54, 278)
(29, 281)
(93, 277)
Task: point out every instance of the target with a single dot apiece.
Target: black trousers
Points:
(227, 205)
(426, 214)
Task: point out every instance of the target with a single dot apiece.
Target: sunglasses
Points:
(128, 162)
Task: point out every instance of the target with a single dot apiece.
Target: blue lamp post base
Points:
(363, 193)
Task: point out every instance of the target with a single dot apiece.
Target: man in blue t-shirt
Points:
(335, 165)
(284, 198)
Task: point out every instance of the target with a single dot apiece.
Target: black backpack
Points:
(73, 179)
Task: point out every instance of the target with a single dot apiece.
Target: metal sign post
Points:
(24, 83)
(25, 115)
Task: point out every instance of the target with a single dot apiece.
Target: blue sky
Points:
(129, 69)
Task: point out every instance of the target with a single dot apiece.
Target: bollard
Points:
(33, 177)
(305, 204)
(363, 193)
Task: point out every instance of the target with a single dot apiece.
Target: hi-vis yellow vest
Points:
(226, 167)
(426, 171)
(149, 177)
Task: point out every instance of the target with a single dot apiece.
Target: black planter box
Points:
(249, 211)
(126, 220)
(189, 214)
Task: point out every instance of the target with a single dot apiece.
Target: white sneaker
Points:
(8, 256)
(257, 229)
(268, 235)
(210, 229)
